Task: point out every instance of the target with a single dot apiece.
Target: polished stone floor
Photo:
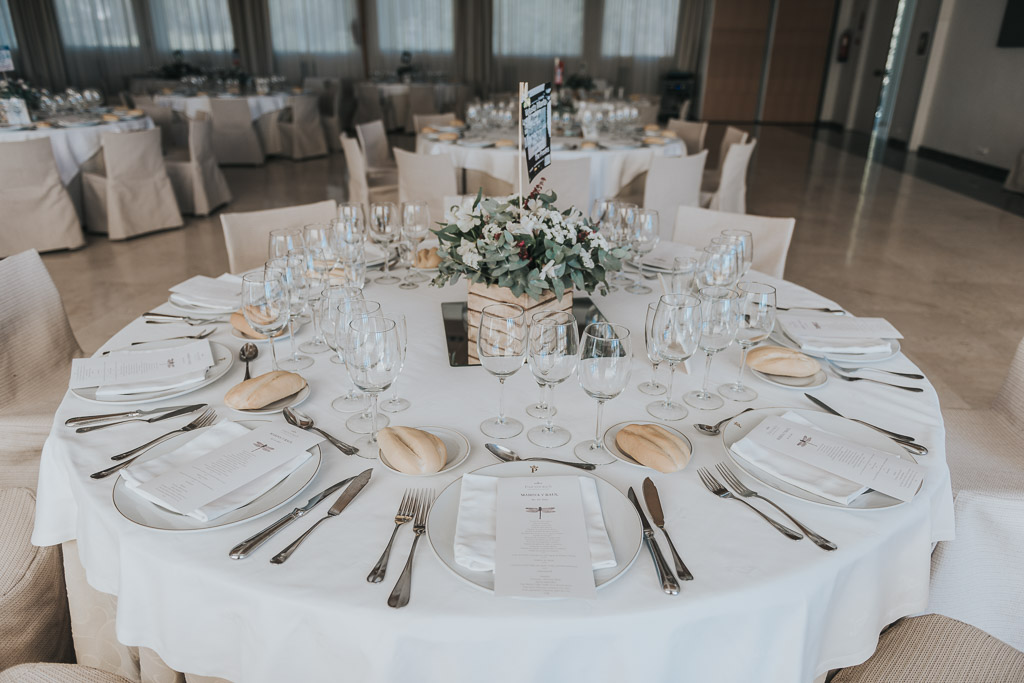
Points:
(943, 267)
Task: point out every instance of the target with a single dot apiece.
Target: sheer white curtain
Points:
(528, 34)
(638, 43)
(426, 28)
(101, 42)
(7, 36)
(315, 38)
(201, 29)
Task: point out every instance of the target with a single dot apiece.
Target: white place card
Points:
(133, 367)
(211, 290)
(839, 327)
(229, 467)
(541, 539)
(883, 472)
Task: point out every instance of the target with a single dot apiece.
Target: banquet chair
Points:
(422, 100)
(696, 227)
(374, 141)
(133, 194)
(302, 134)
(569, 179)
(368, 103)
(426, 177)
(58, 673)
(936, 649)
(315, 84)
(38, 212)
(692, 133)
(36, 348)
(648, 112)
(172, 129)
(234, 137)
(330, 113)
(198, 182)
(712, 176)
(246, 234)
(673, 182)
(35, 625)
(421, 121)
(127, 100)
(481, 181)
(268, 129)
(731, 193)
(360, 187)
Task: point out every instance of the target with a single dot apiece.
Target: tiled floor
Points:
(943, 267)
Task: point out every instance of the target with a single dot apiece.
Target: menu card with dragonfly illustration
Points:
(142, 366)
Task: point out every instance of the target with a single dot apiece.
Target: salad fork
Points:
(848, 378)
(405, 515)
(713, 485)
(400, 595)
(204, 420)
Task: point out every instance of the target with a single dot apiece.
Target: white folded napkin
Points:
(475, 528)
(820, 345)
(208, 439)
(179, 382)
(217, 294)
(799, 474)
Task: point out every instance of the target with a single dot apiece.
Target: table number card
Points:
(541, 539)
(129, 367)
(840, 327)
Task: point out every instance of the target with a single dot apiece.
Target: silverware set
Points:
(907, 442)
(665, 576)
(841, 373)
(162, 414)
(155, 318)
(653, 501)
(128, 457)
(399, 597)
(406, 513)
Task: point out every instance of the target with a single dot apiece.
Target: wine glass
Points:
(350, 226)
(330, 298)
(622, 230)
(675, 331)
(339, 312)
(396, 404)
(719, 321)
(501, 346)
(415, 227)
(651, 387)
(643, 238)
(606, 358)
(680, 279)
(373, 357)
(319, 264)
(553, 353)
(600, 210)
(747, 239)
(719, 266)
(265, 305)
(756, 321)
(283, 240)
(384, 229)
(350, 267)
(292, 268)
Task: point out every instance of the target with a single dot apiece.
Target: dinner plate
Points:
(4, 127)
(449, 129)
(223, 359)
(620, 518)
(77, 124)
(278, 405)
(463, 142)
(613, 448)
(741, 425)
(813, 382)
(144, 513)
(782, 339)
(455, 443)
(616, 145)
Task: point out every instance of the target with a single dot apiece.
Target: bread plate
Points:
(278, 405)
(613, 448)
(456, 446)
(816, 380)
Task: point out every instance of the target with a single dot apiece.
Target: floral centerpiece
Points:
(16, 99)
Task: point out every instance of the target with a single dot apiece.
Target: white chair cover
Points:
(234, 138)
(692, 133)
(422, 100)
(421, 121)
(268, 127)
(246, 234)
(198, 183)
(302, 137)
(673, 182)
(359, 189)
(772, 236)
(36, 209)
(330, 113)
(368, 103)
(172, 129)
(1015, 178)
(648, 112)
(731, 194)
(568, 178)
(712, 177)
(374, 141)
(135, 196)
(426, 177)
(481, 181)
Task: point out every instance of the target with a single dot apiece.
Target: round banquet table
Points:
(258, 104)
(610, 169)
(394, 99)
(761, 607)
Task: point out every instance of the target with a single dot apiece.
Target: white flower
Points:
(588, 260)
(548, 271)
(470, 256)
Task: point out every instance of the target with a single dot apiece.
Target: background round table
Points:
(258, 104)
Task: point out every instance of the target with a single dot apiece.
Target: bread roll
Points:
(263, 390)
(428, 129)
(589, 144)
(652, 128)
(505, 143)
(457, 123)
(447, 137)
(239, 322)
(412, 451)
(427, 258)
(653, 141)
(777, 360)
(668, 133)
(110, 117)
(653, 446)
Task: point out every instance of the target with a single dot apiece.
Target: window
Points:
(422, 26)
(96, 23)
(312, 26)
(7, 36)
(646, 29)
(538, 28)
(192, 25)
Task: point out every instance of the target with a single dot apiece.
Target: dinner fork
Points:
(202, 335)
(741, 490)
(405, 515)
(400, 594)
(712, 484)
(908, 375)
(848, 378)
(204, 420)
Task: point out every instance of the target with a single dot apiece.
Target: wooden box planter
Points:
(481, 295)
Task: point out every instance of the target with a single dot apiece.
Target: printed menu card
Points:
(840, 327)
(542, 549)
(132, 367)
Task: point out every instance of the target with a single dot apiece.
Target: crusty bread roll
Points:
(652, 128)
(668, 133)
(653, 446)
(412, 451)
(263, 390)
(505, 143)
(239, 322)
(589, 144)
(427, 258)
(457, 123)
(777, 360)
(653, 141)
(428, 129)
(110, 117)
(447, 137)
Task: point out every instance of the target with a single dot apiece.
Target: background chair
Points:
(38, 212)
(374, 141)
(368, 103)
(421, 121)
(692, 133)
(422, 100)
(268, 128)
(58, 673)
(302, 134)
(198, 183)
(246, 234)
(330, 113)
(360, 188)
(731, 193)
(173, 129)
(426, 177)
(647, 112)
(133, 196)
(234, 138)
(772, 236)
(712, 176)
(569, 179)
(673, 182)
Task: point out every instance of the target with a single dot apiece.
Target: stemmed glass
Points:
(553, 355)
(293, 271)
(719, 266)
(319, 264)
(415, 227)
(373, 357)
(338, 313)
(719, 321)
(606, 358)
(643, 238)
(756, 321)
(622, 221)
(331, 297)
(746, 238)
(265, 305)
(396, 404)
(680, 280)
(676, 331)
(600, 211)
(501, 346)
(283, 240)
(384, 229)
(651, 387)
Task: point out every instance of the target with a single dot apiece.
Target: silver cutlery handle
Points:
(283, 556)
(915, 448)
(376, 574)
(891, 435)
(146, 446)
(102, 474)
(684, 573)
(782, 528)
(246, 547)
(908, 375)
(817, 539)
(339, 444)
(916, 390)
(85, 419)
(93, 428)
(668, 582)
(580, 465)
(400, 594)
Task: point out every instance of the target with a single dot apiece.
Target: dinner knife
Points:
(653, 501)
(246, 547)
(344, 499)
(668, 581)
(185, 410)
(85, 419)
(892, 435)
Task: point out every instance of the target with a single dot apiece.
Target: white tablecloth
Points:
(610, 170)
(72, 147)
(258, 104)
(761, 608)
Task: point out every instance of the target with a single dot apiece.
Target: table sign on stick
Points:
(6, 62)
(536, 129)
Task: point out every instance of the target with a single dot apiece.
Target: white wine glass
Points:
(320, 262)
(292, 268)
(331, 295)
(396, 403)
(265, 305)
(651, 387)
(501, 347)
(719, 266)
(415, 228)
(756, 322)
(374, 359)
(622, 231)
(644, 237)
(719, 321)
(747, 239)
(284, 240)
(338, 314)
(675, 331)
(386, 231)
(606, 359)
(553, 355)
(680, 279)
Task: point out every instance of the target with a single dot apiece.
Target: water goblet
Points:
(756, 321)
(553, 353)
(320, 262)
(415, 227)
(719, 266)
(373, 357)
(675, 331)
(501, 347)
(283, 240)
(606, 359)
(719, 321)
(292, 268)
(265, 305)
(396, 403)
(643, 238)
(747, 239)
(651, 387)
(384, 230)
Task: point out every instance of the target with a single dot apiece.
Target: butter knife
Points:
(246, 547)
(185, 410)
(85, 419)
(653, 501)
(344, 499)
(668, 581)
